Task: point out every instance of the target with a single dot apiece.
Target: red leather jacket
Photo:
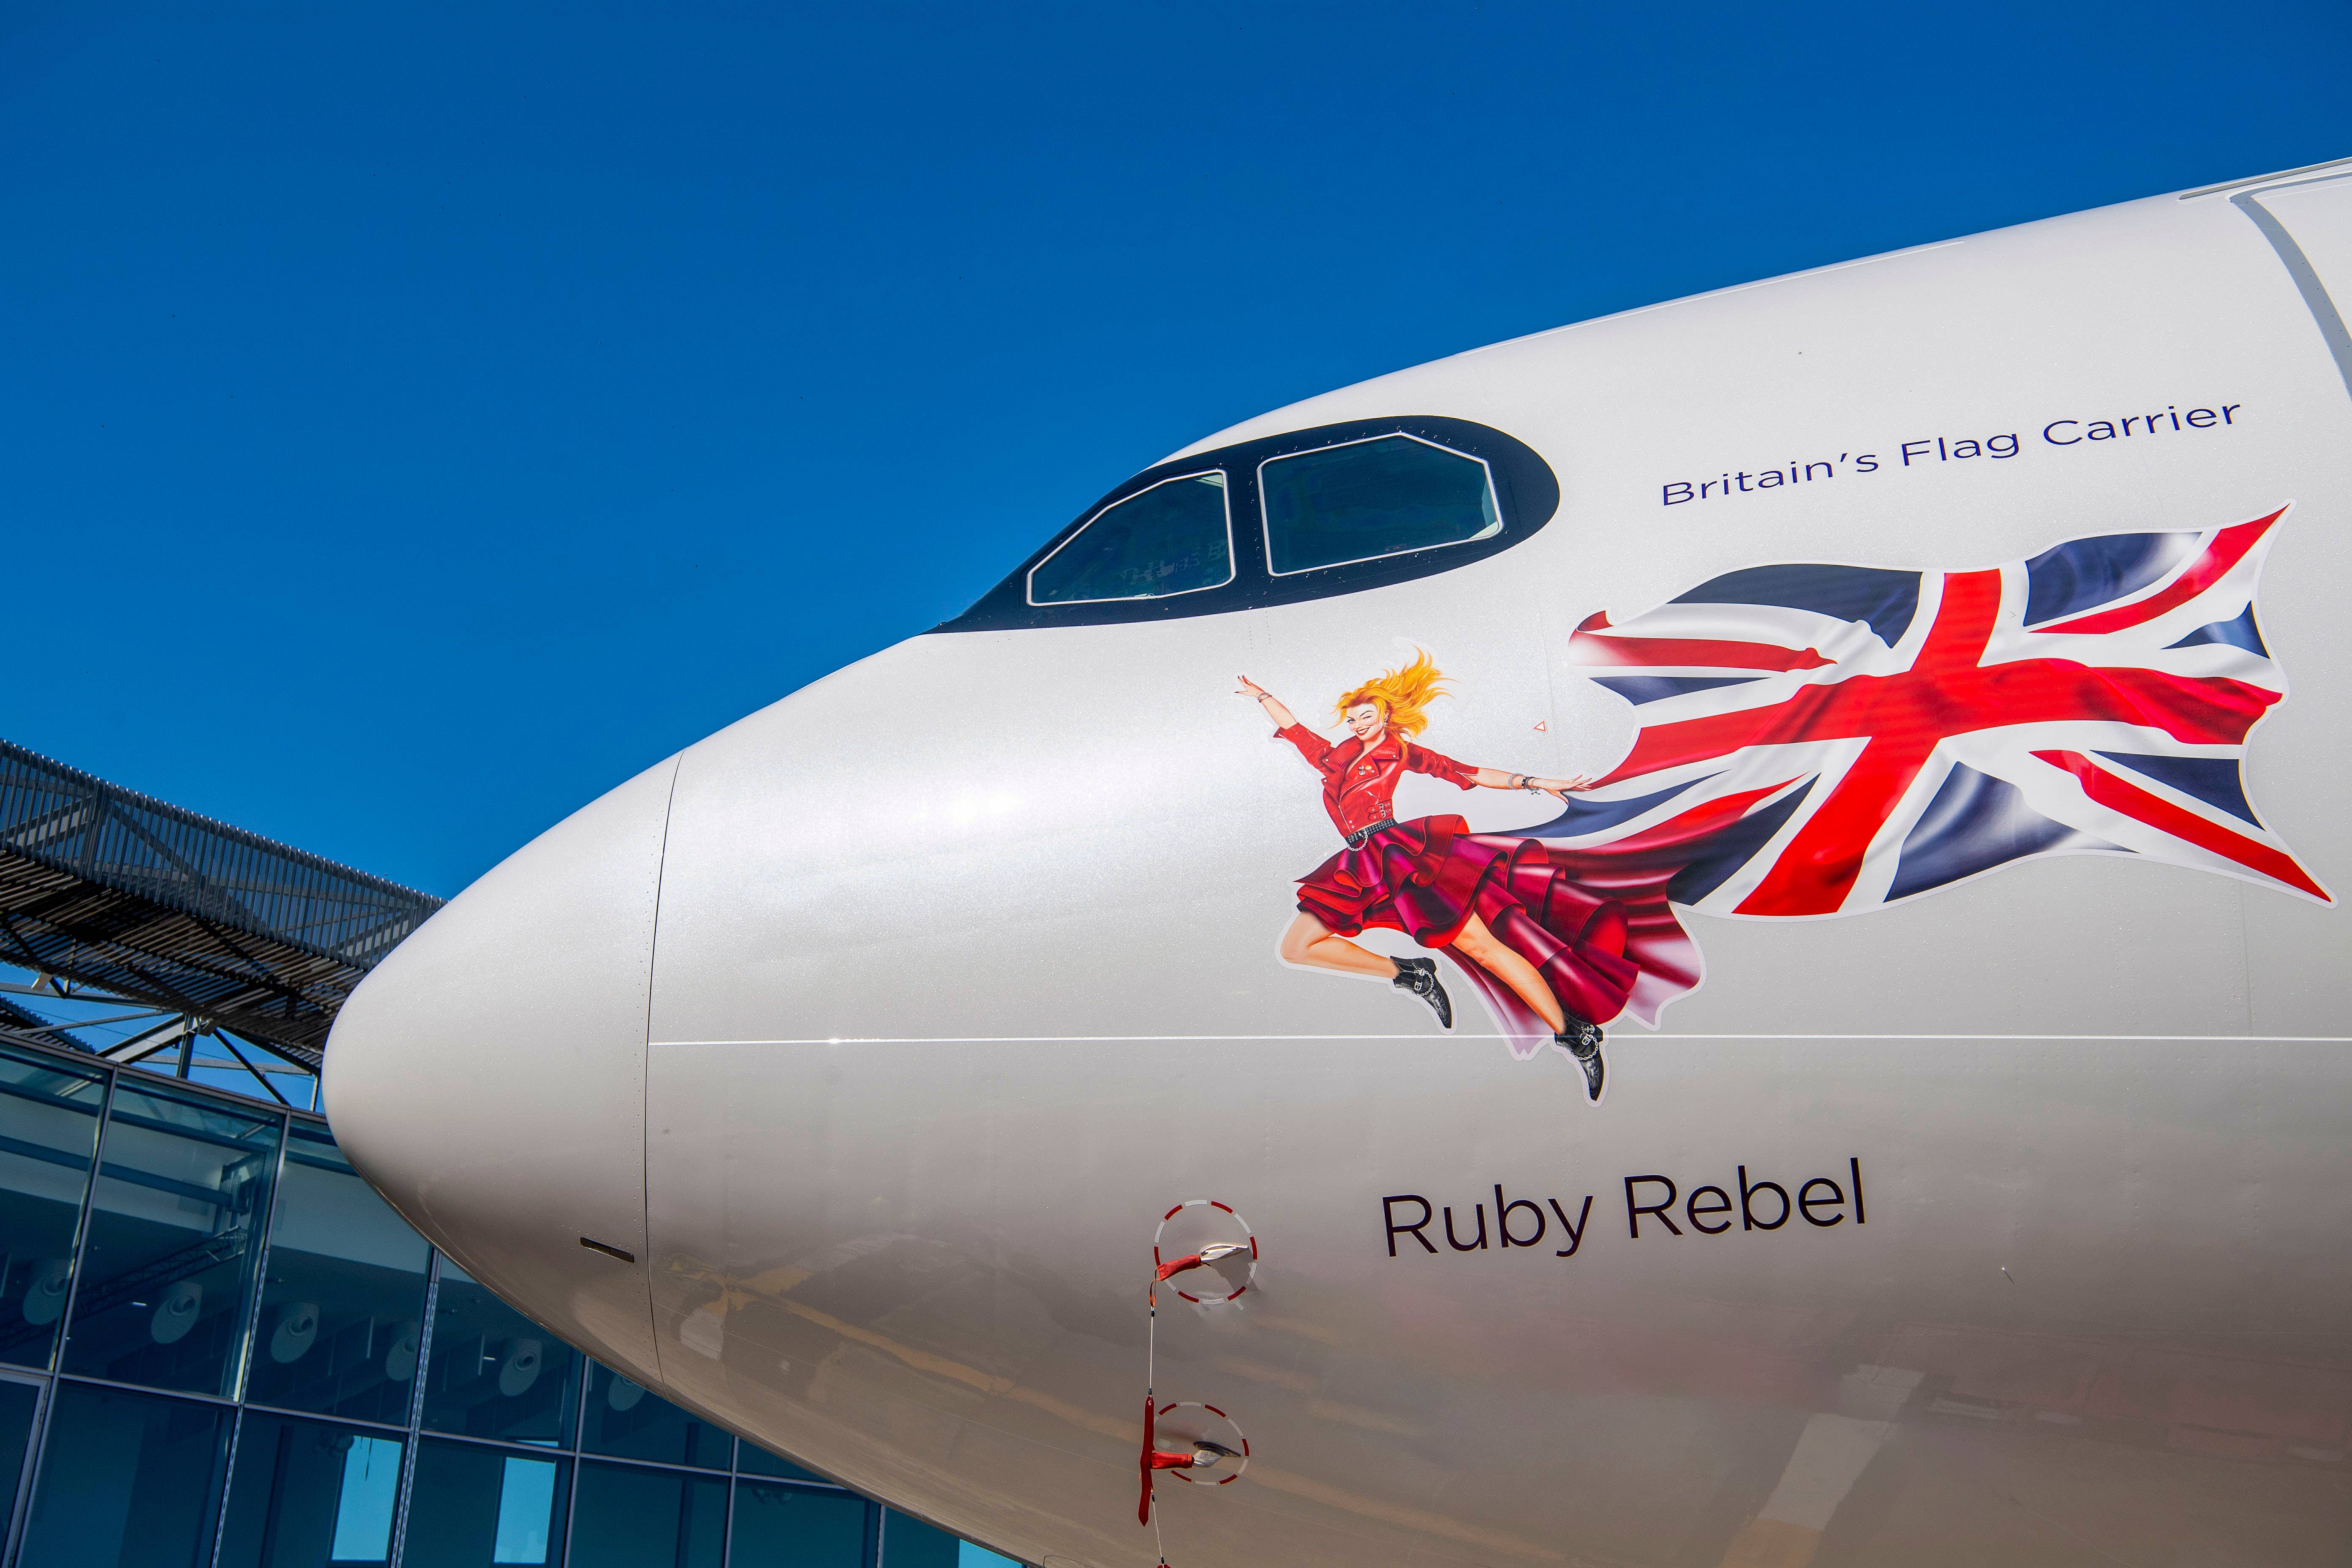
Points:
(1358, 785)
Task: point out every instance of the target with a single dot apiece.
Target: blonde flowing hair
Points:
(1403, 694)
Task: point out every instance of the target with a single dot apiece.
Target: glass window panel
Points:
(911, 1543)
(305, 1493)
(622, 1419)
(494, 1373)
(19, 1402)
(168, 1268)
(1170, 539)
(1369, 499)
(48, 1128)
(128, 1481)
(792, 1527)
(363, 1505)
(627, 1517)
(344, 1294)
(471, 1507)
(526, 1510)
(754, 1460)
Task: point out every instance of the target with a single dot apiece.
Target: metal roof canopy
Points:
(118, 890)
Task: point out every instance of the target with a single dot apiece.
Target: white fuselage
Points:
(882, 1028)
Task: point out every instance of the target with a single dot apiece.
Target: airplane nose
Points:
(488, 1076)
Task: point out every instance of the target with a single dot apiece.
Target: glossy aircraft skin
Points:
(883, 1026)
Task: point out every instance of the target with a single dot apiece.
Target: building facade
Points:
(220, 1349)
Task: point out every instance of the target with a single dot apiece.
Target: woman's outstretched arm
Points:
(1274, 711)
(1495, 778)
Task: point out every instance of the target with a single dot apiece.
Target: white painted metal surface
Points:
(964, 974)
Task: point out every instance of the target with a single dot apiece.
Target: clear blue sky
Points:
(418, 418)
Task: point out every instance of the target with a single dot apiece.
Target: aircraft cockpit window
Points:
(1365, 500)
(1174, 538)
(1325, 510)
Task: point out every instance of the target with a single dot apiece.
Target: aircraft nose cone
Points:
(488, 1076)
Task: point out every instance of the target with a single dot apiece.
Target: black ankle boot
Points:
(1583, 1041)
(1419, 976)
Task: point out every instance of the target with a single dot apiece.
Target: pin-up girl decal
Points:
(1535, 938)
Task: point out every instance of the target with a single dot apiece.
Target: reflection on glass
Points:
(1369, 499)
(18, 1401)
(344, 1295)
(363, 1505)
(754, 1460)
(128, 1481)
(49, 1127)
(621, 1417)
(495, 1374)
(168, 1267)
(526, 1510)
(911, 1543)
(305, 1493)
(472, 1505)
(1170, 539)
(632, 1518)
(788, 1527)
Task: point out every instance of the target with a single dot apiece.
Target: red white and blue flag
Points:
(1824, 740)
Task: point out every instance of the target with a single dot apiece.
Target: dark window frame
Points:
(1525, 493)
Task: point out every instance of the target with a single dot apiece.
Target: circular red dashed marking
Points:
(1240, 1435)
(1247, 1235)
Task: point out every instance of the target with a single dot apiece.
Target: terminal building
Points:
(218, 1345)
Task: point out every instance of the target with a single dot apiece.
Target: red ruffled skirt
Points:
(1593, 942)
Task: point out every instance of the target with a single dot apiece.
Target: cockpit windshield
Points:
(1336, 509)
(1174, 538)
(1360, 500)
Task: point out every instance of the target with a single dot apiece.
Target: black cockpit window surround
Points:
(1369, 499)
(1519, 486)
(1175, 536)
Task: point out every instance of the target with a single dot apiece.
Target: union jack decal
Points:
(1824, 740)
